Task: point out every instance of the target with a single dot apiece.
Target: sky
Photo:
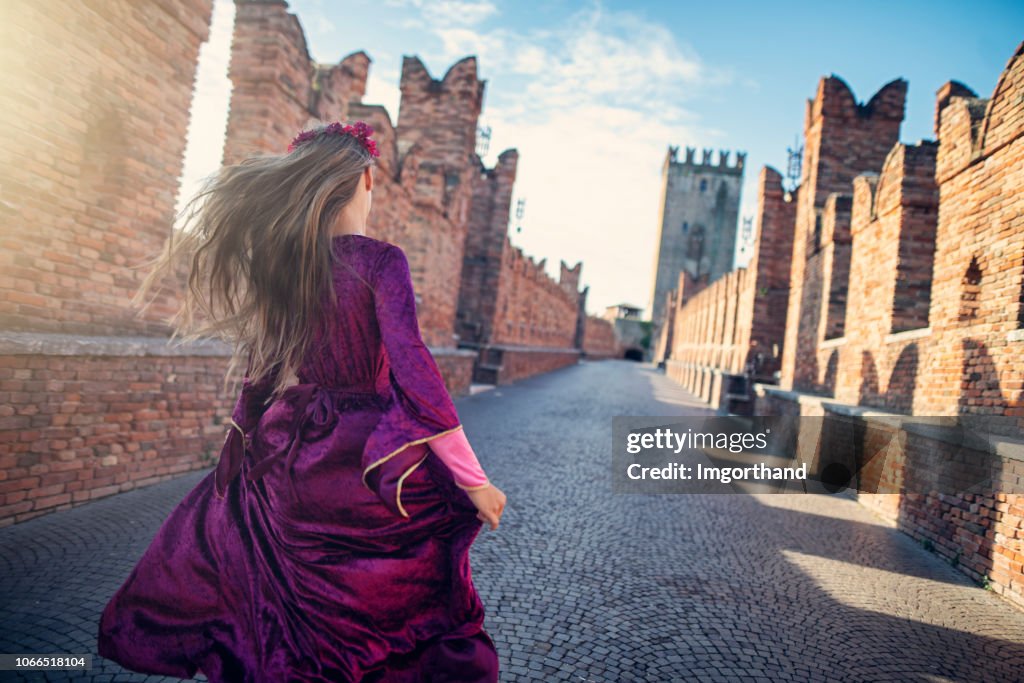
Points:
(591, 94)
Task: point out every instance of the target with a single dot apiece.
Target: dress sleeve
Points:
(421, 409)
(455, 452)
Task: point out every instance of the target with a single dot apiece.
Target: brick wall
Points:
(531, 308)
(893, 226)
(599, 338)
(422, 193)
(738, 320)
(842, 139)
(92, 399)
(87, 191)
(79, 426)
(491, 200)
(977, 309)
(771, 263)
(906, 299)
(89, 171)
(712, 333)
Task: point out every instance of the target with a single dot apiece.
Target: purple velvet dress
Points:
(341, 552)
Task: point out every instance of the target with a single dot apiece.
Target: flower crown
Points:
(360, 130)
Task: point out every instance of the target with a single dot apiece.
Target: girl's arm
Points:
(454, 451)
(423, 392)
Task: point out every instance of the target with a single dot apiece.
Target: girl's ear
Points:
(369, 178)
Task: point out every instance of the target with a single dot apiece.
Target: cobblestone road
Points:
(582, 585)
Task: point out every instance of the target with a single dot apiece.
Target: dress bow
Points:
(311, 403)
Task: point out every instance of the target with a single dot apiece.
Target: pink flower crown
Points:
(360, 130)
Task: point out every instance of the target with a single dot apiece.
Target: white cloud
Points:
(591, 105)
(465, 12)
(323, 24)
(438, 13)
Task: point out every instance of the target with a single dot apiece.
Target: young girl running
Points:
(331, 542)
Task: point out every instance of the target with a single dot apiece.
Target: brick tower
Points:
(697, 228)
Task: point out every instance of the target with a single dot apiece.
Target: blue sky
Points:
(592, 93)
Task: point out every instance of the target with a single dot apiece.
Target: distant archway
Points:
(633, 354)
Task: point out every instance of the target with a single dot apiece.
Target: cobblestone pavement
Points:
(584, 585)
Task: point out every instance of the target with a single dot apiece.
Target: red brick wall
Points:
(74, 428)
(932, 317)
(531, 308)
(599, 338)
(520, 363)
(712, 331)
(92, 401)
(894, 218)
(723, 326)
(89, 171)
(977, 363)
(842, 139)
(485, 242)
(978, 532)
(456, 366)
(934, 322)
(88, 191)
(423, 180)
(771, 262)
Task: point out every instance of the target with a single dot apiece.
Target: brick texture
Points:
(87, 192)
(92, 401)
(906, 298)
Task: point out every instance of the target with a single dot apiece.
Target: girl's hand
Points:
(490, 503)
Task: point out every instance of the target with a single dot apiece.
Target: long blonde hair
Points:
(260, 253)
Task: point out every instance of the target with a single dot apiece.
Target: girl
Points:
(341, 552)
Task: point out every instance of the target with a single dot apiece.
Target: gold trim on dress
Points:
(478, 487)
(236, 425)
(403, 447)
(398, 491)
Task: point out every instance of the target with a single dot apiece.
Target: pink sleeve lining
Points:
(455, 452)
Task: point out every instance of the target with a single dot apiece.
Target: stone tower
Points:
(699, 215)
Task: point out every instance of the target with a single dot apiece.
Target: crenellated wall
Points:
(96, 109)
(711, 335)
(433, 196)
(977, 294)
(893, 227)
(420, 199)
(905, 300)
(89, 172)
(531, 308)
(491, 200)
(842, 139)
(736, 324)
(93, 400)
(771, 261)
